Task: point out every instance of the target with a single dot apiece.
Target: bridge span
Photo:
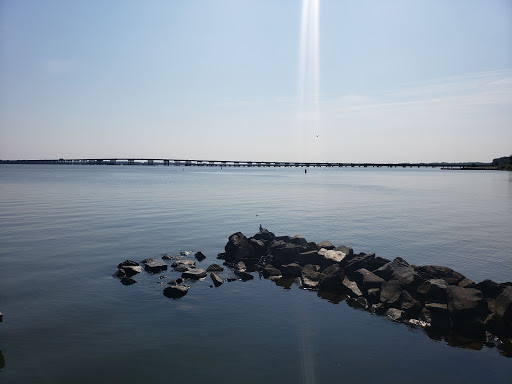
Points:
(226, 163)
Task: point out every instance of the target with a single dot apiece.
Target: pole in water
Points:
(305, 170)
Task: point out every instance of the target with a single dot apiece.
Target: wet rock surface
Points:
(445, 303)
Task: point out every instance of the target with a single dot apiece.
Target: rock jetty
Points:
(442, 301)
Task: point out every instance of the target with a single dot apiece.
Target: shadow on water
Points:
(2, 360)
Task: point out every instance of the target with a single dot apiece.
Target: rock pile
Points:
(432, 296)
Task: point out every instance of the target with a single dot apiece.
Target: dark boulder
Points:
(131, 270)
(217, 281)
(395, 314)
(146, 261)
(170, 257)
(259, 246)
(264, 235)
(185, 253)
(390, 293)
(363, 260)
(366, 279)
(331, 279)
(175, 291)
(373, 295)
(433, 290)
(194, 274)
(183, 263)
(489, 288)
(179, 280)
(282, 252)
(410, 306)
(350, 287)
(199, 256)
(155, 266)
(214, 268)
(128, 281)
(451, 277)
(400, 271)
(309, 257)
(271, 272)
(127, 263)
(182, 268)
(310, 277)
(240, 267)
(468, 310)
(291, 270)
(238, 247)
(467, 283)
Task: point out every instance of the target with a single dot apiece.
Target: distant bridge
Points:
(231, 163)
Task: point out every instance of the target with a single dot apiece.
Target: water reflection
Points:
(2, 360)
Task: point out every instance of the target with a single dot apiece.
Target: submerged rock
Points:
(194, 274)
(128, 281)
(217, 281)
(155, 266)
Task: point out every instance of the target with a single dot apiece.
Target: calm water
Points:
(64, 229)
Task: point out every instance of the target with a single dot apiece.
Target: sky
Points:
(396, 81)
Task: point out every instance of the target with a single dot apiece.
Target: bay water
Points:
(65, 228)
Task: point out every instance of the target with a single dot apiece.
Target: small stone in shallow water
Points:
(175, 291)
(170, 257)
(185, 253)
(217, 281)
(199, 256)
(214, 268)
(194, 274)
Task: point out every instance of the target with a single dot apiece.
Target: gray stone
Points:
(194, 274)
(503, 304)
(240, 267)
(119, 273)
(244, 276)
(238, 247)
(270, 271)
(358, 302)
(346, 250)
(130, 270)
(170, 257)
(350, 287)
(291, 270)
(331, 256)
(309, 257)
(400, 271)
(214, 268)
(367, 279)
(390, 292)
(451, 277)
(155, 266)
(199, 256)
(394, 314)
(175, 291)
(184, 263)
(331, 279)
(217, 281)
(433, 290)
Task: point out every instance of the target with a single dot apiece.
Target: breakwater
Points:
(445, 303)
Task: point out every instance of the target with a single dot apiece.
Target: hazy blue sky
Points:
(218, 79)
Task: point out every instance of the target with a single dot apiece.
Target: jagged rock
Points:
(199, 256)
(194, 274)
(175, 291)
(409, 305)
(468, 309)
(240, 266)
(185, 253)
(238, 247)
(214, 268)
(170, 257)
(259, 246)
(131, 270)
(155, 266)
(217, 281)
(330, 256)
(291, 270)
(326, 245)
(400, 271)
(395, 314)
(363, 260)
(451, 277)
(309, 257)
(331, 279)
(367, 280)
(350, 288)
(128, 281)
(390, 292)
(270, 272)
(489, 288)
(183, 263)
(264, 235)
(146, 261)
(283, 252)
(433, 290)
(128, 263)
(357, 302)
